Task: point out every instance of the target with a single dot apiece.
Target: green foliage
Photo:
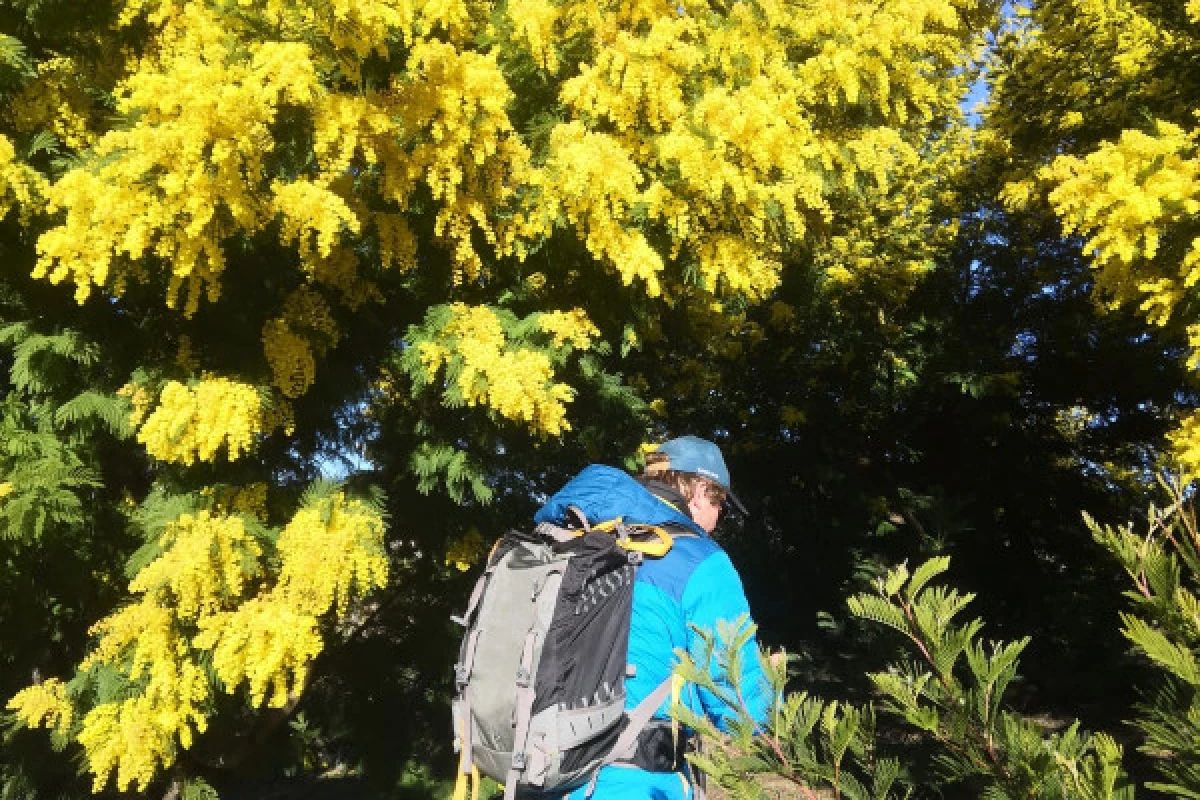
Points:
(948, 688)
(806, 743)
(443, 465)
(953, 691)
(12, 53)
(47, 456)
(197, 789)
(862, 428)
(1163, 562)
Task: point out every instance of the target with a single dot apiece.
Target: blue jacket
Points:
(694, 583)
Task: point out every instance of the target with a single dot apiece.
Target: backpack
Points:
(541, 672)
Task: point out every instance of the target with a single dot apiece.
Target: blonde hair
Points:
(658, 468)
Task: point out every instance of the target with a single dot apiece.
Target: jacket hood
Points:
(603, 493)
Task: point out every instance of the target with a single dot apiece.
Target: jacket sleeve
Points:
(714, 592)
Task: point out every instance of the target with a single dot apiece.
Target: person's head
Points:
(695, 468)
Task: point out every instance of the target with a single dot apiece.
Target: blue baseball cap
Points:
(699, 457)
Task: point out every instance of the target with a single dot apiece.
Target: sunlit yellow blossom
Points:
(516, 382)
(1123, 196)
(44, 704)
(534, 21)
(140, 399)
(203, 107)
(194, 423)
(571, 327)
(313, 216)
(1185, 441)
(330, 553)
(205, 564)
(20, 186)
(57, 100)
(265, 643)
(135, 738)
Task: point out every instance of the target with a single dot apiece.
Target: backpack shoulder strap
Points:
(654, 541)
(626, 743)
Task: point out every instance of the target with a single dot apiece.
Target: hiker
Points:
(693, 584)
(565, 673)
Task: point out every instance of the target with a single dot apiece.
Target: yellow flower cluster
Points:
(693, 118)
(203, 569)
(330, 553)
(292, 342)
(194, 597)
(454, 110)
(203, 105)
(136, 737)
(56, 100)
(206, 561)
(194, 423)
(313, 216)
(20, 186)
(140, 399)
(592, 181)
(1185, 442)
(516, 382)
(1125, 196)
(569, 327)
(43, 705)
(534, 24)
(265, 643)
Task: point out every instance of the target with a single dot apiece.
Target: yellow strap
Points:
(655, 549)
(464, 776)
(464, 780)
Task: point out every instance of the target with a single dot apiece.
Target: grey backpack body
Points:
(541, 672)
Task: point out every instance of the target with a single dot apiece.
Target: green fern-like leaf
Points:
(925, 573)
(878, 609)
(110, 411)
(1175, 658)
(12, 54)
